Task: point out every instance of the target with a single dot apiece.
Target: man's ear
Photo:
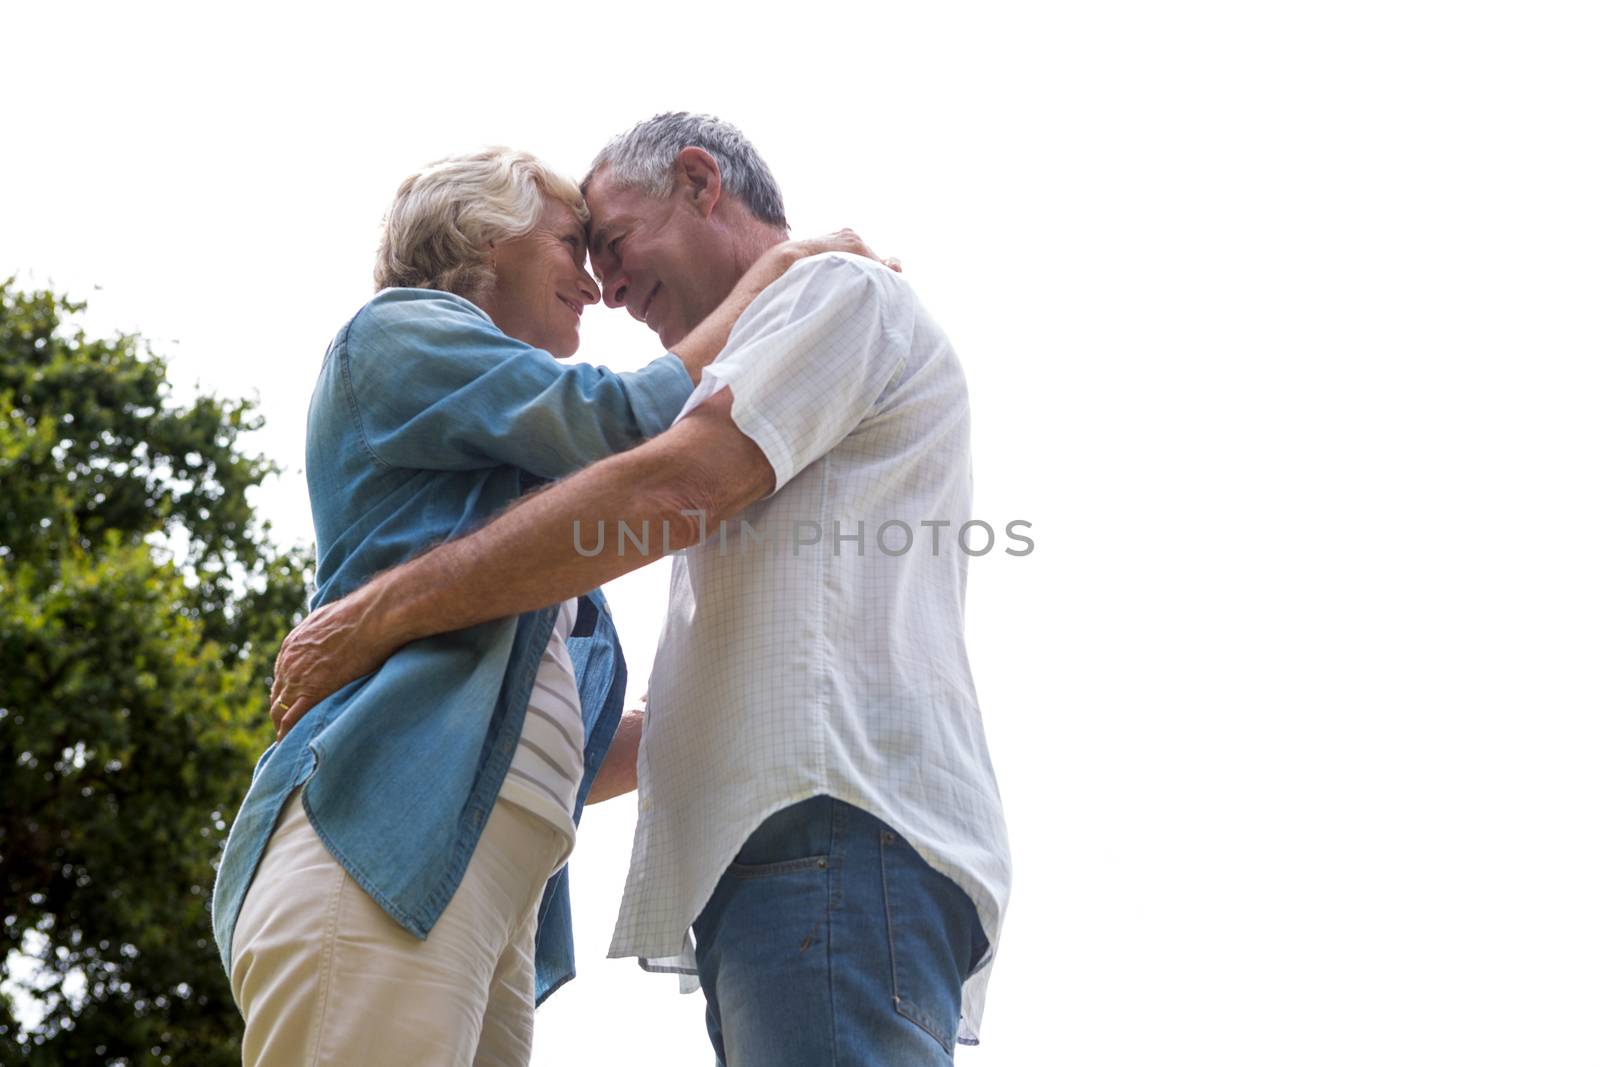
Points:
(696, 176)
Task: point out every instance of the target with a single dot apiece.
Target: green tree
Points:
(141, 604)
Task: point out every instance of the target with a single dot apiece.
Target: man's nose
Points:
(616, 289)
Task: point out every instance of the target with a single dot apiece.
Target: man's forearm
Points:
(530, 556)
(605, 521)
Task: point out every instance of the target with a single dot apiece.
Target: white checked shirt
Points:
(786, 671)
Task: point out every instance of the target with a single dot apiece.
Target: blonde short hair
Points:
(444, 218)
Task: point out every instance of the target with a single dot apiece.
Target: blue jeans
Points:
(829, 941)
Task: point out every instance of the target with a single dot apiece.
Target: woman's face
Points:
(540, 284)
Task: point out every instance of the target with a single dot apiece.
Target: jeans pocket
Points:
(929, 922)
(793, 839)
(768, 870)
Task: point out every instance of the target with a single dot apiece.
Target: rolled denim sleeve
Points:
(432, 384)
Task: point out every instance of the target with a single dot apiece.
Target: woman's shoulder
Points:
(422, 311)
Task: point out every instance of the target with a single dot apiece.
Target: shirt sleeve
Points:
(433, 384)
(811, 358)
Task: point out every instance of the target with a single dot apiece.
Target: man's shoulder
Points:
(848, 283)
(845, 268)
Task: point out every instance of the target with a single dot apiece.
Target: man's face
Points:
(660, 257)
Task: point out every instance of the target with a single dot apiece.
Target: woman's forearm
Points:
(706, 340)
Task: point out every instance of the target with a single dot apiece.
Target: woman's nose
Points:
(587, 288)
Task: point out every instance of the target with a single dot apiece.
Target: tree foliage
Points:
(140, 605)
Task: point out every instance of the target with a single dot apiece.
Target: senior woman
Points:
(378, 898)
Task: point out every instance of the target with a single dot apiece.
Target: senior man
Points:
(816, 799)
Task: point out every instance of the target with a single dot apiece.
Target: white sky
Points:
(1280, 328)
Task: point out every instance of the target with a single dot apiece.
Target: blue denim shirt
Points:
(426, 421)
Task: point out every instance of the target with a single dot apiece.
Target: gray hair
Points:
(444, 218)
(643, 157)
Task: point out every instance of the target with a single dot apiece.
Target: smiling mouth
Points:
(649, 301)
(576, 310)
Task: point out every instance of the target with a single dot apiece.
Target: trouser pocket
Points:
(935, 939)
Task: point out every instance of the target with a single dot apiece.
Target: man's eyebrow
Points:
(603, 233)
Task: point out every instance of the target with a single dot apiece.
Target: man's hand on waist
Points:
(332, 647)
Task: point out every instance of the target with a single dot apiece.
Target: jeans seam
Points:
(835, 889)
(888, 918)
(833, 1004)
(906, 1010)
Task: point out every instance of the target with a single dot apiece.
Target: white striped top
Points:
(548, 765)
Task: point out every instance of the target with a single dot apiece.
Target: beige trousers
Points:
(324, 976)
